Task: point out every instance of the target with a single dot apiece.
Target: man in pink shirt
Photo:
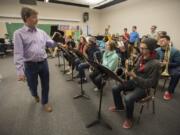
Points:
(30, 56)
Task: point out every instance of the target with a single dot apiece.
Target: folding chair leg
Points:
(164, 84)
(141, 110)
(148, 105)
(153, 106)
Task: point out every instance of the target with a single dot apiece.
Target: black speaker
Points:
(28, 2)
(85, 16)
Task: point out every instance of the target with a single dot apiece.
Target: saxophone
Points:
(129, 66)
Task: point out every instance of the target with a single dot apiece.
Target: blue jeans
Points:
(173, 82)
(96, 78)
(81, 69)
(32, 70)
(134, 95)
(76, 63)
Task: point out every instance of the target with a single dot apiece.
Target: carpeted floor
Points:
(20, 115)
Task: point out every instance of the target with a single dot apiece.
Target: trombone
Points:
(167, 53)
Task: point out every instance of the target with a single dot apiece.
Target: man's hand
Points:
(131, 74)
(59, 44)
(22, 78)
(163, 63)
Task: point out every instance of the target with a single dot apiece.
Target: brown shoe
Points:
(37, 99)
(47, 108)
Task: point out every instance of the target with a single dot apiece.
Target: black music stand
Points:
(59, 60)
(57, 37)
(71, 57)
(82, 57)
(82, 94)
(64, 51)
(109, 73)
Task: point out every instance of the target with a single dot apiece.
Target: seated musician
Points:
(110, 60)
(160, 34)
(173, 64)
(144, 75)
(60, 40)
(122, 51)
(69, 45)
(82, 49)
(90, 50)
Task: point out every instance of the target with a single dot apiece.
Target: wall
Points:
(144, 13)
(54, 11)
(3, 29)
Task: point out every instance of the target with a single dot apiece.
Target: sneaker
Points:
(70, 72)
(68, 68)
(77, 76)
(84, 80)
(127, 124)
(90, 70)
(96, 89)
(114, 109)
(167, 96)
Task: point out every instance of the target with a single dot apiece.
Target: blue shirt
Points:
(134, 36)
(174, 60)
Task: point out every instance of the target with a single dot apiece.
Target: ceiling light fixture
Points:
(46, 1)
(98, 3)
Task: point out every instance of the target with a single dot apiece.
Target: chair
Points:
(165, 78)
(149, 97)
(97, 56)
(9, 48)
(2, 50)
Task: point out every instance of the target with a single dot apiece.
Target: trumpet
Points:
(166, 58)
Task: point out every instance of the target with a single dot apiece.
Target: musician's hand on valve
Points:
(126, 62)
(131, 74)
(163, 63)
(126, 71)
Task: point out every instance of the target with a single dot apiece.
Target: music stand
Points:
(82, 57)
(58, 54)
(64, 64)
(71, 58)
(59, 62)
(57, 37)
(109, 73)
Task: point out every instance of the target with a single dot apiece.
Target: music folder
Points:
(57, 37)
(107, 71)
